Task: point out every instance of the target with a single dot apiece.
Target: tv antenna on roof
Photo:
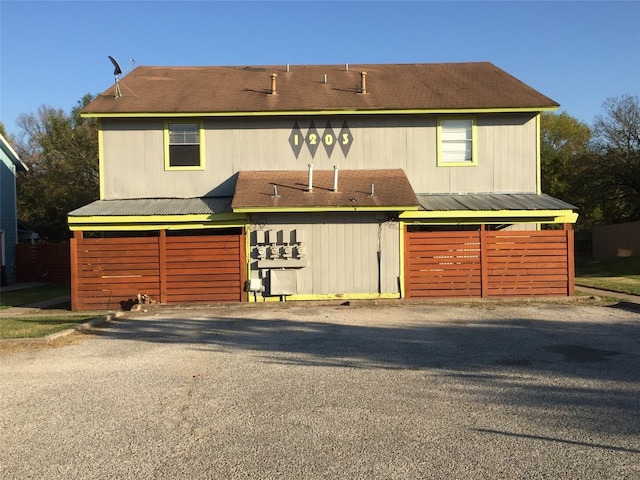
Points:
(118, 71)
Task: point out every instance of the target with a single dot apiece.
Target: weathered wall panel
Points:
(341, 252)
(134, 154)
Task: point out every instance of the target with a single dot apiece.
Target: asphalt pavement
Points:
(298, 391)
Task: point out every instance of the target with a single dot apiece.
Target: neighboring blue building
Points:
(11, 164)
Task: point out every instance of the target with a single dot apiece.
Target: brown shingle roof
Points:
(157, 90)
(255, 190)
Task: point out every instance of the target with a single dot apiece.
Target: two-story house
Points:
(319, 182)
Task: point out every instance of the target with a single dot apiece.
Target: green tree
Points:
(564, 143)
(616, 146)
(61, 152)
(567, 166)
(596, 169)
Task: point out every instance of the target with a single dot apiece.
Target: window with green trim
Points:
(456, 141)
(183, 146)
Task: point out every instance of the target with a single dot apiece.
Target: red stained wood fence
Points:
(43, 262)
(443, 264)
(109, 273)
(489, 263)
(204, 269)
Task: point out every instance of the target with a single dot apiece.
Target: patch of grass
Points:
(39, 326)
(620, 274)
(27, 296)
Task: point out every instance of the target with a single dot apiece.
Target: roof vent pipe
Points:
(288, 70)
(346, 67)
(274, 90)
(325, 78)
(363, 81)
(335, 178)
(373, 189)
(310, 189)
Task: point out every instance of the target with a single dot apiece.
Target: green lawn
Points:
(27, 296)
(39, 326)
(621, 274)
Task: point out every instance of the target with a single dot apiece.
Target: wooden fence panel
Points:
(443, 264)
(527, 263)
(48, 262)
(111, 272)
(204, 269)
(488, 263)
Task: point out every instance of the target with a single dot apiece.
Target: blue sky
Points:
(578, 53)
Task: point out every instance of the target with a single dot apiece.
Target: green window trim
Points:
(441, 137)
(168, 144)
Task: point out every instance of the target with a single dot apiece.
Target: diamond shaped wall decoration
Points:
(345, 139)
(328, 139)
(313, 139)
(296, 139)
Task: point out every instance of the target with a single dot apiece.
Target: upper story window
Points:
(184, 145)
(457, 142)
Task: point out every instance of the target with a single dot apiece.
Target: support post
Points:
(571, 264)
(73, 259)
(406, 291)
(484, 262)
(162, 258)
(244, 264)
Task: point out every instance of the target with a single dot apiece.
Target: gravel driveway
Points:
(480, 390)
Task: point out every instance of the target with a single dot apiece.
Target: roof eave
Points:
(316, 209)
(12, 155)
(273, 113)
(494, 216)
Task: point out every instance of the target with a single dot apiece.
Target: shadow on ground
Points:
(588, 367)
(471, 341)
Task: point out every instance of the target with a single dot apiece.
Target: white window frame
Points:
(452, 130)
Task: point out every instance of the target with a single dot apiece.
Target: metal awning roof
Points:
(448, 208)
(491, 202)
(491, 208)
(155, 206)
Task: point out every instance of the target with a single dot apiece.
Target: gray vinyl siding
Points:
(133, 150)
(341, 252)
